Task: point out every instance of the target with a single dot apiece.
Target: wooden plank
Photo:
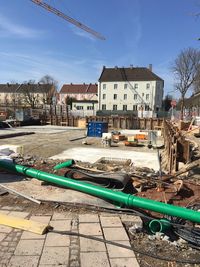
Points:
(23, 224)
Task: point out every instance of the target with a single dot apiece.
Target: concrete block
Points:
(38, 182)
(21, 261)
(92, 259)
(4, 212)
(5, 229)
(130, 218)
(53, 239)
(20, 214)
(29, 235)
(111, 221)
(42, 219)
(117, 233)
(62, 216)
(2, 236)
(88, 218)
(61, 225)
(55, 256)
(90, 229)
(29, 247)
(88, 245)
(7, 208)
(124, 262)
(118, 252)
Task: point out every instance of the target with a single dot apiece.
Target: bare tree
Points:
(185, 69)
(48, 94)
(47, 79)
(29, 95)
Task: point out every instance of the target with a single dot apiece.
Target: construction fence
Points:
(117, 122)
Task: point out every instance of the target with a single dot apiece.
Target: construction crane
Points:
(67, 18)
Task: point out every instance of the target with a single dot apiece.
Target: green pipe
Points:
(159, 225)
(64, 164)
(117, 197)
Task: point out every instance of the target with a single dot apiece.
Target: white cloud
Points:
(9, 28)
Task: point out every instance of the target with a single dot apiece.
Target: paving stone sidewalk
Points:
(24, 249)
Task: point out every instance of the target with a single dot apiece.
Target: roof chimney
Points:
(104, 67)
(71, 83)
(131, 66)
(116, 67)
(150, 67)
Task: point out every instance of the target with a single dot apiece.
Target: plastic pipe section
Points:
(64, 164)
(159, 225)
(119, 197)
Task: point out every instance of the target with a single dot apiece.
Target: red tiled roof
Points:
(79, 89)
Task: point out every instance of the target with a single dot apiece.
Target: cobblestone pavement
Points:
(25, 249)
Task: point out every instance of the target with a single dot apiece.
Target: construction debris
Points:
(20, 194)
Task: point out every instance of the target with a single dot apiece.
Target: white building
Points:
(130, 91)
(84, 108)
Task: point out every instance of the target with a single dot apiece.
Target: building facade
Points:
(84, 108)
(130, 91)
(78, 92)
(26, 95)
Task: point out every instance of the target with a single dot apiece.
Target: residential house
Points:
(78, 92)
(84, 108)
(82, 98)
(26, 95)
(132, 90)
(192, 104)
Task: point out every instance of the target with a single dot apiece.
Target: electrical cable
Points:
(126, 247)
(190, 234)
(112, 210)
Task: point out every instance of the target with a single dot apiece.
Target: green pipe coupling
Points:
(159, 225)
(68, 163)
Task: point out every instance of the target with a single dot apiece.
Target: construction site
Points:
(99, 171)
(128, 197)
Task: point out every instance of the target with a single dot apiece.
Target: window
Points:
(115, 85)
(135, 97)
(125, 107)
(125, 86)
(125, 96)
(134, 107)
(136, 86)
(104, 86)
(147, 96)
(103, 107)
(148, 85)
(114, 107)
(147, 108)
(79, 107)
(115, 96)
(104, 96)
(90, 107)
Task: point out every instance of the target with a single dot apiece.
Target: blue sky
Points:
(34, 42)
